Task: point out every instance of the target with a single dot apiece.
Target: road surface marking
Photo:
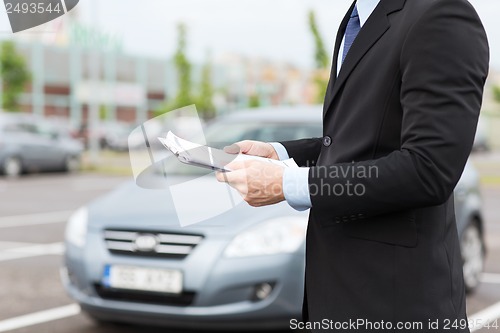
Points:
(484, 317)
(39, 317)
(32, 251)
(490, 278)
(6, 245)
(34, 219)
(13, 256)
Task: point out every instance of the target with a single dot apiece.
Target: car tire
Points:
(72, 164)
(473, 255)
(12, 167)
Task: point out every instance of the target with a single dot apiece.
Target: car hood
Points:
(130, 207)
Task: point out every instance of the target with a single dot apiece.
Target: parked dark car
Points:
(29, 144)
(128, 260)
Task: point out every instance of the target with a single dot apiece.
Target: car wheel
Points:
(12, 167)
(72, 164)
(472, 247)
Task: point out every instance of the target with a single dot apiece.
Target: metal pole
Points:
(75, 76)
(142, 79)
(37, 94)
(93, 115)
(111, 83)
(1, 77)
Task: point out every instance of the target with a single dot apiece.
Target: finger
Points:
(236, 165)
(221, 177)
(239, 186)
(233, 178)
(232, 149)
(245, 146)
(242, 189)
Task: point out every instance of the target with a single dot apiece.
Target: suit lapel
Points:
(374, 28)
(338, 42)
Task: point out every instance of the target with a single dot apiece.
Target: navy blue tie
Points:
(351, 32)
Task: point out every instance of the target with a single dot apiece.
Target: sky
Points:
(274, 29)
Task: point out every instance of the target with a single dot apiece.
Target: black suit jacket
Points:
(399, 123)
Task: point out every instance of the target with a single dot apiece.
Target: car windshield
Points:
(221, 134)
(224, 133)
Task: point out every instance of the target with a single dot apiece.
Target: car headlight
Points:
(281, 235)
(76, 229)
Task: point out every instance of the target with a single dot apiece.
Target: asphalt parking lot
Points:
(32, 219)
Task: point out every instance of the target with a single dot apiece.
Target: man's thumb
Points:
(232, 149)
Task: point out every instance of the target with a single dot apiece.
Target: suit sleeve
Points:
(305, 152)
(444, 64)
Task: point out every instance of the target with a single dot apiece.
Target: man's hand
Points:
(254, 148)
(259, 183)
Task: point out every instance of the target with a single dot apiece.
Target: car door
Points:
(18, 139)
(36, 146)
(50, 152)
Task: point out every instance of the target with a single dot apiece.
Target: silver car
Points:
(128, 260)
(29, 143)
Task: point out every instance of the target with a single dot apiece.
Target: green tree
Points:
(321, 59)
(205, 103)
(496, 93)
(15, 75)
(320, 54)
(183, 68)
(103, 112)
(254, 101)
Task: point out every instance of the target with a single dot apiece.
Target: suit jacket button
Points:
(327, 141)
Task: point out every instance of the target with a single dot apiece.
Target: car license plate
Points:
(143, 279)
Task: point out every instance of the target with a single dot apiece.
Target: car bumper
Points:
(231, 317)
(223, 291)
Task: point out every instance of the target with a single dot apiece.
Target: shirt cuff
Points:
(296, 188)
(280, 150)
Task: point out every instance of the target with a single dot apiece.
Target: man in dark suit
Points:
(400, 116)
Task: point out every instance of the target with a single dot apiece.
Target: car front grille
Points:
(184, 299)
(159, 244)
